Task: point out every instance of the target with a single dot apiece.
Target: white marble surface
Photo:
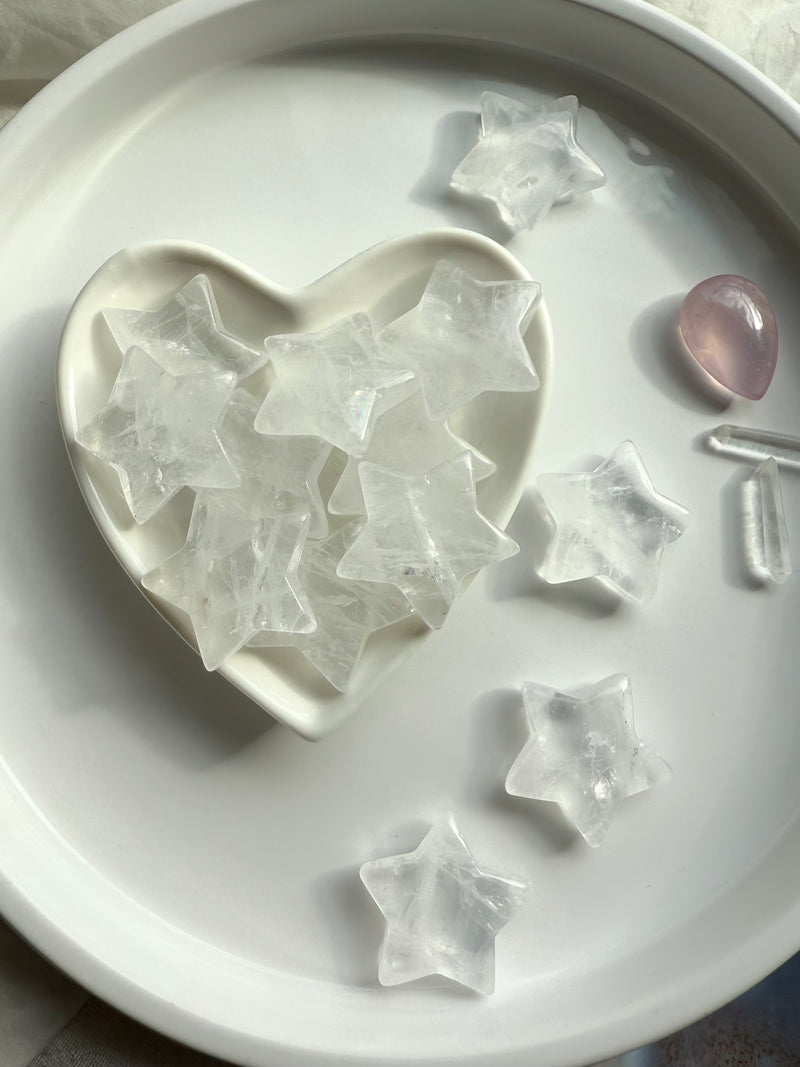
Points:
(39, 39)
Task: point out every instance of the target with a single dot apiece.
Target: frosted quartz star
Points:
(465, 337)
(583, 753)
(611, 524)
(527, 159)
(328, 384)
(185, 334)
(407, 441)
(443, 912)
(766, 540)
(424, 534)
(159, 431)
(347, 611)
(235, 575)
(278, 473)
(730, 329)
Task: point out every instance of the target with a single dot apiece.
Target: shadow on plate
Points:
(87, 601)
(663, 358)
(454, 135)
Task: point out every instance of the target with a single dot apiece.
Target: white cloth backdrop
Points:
(38, 39)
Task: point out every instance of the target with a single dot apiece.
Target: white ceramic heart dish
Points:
(385, 281)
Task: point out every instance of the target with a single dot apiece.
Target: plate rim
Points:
(767, 946)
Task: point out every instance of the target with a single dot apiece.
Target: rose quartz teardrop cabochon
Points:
(729, 328)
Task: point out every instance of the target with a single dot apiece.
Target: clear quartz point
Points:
(464, 337)
(766, 541)
(755, 445)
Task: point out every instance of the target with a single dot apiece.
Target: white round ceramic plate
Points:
(195, 864)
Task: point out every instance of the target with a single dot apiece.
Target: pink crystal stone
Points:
(729, 328)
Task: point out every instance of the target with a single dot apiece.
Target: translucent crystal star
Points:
(235, 575)
(278, 473)
(159, 432)
(407, 441)
(328, 384)
(464, 337)
(609, 523)
(185, 334)
(583, 753)
(347, 611)
(424, 534)
(443, 912)
(527, 159)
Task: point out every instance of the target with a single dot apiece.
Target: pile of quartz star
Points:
(267, 561)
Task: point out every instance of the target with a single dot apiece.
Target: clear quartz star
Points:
(159, 431)
(527, 159)
(611, 524)
(407, 441)
(443, 912)
(347, 611)
(329, 384)
(424, 534)
(583, 753)
(186, 334)
(465, 337)
(235, 575)
(278, 473)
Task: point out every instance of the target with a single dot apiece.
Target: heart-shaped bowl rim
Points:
(383, 281)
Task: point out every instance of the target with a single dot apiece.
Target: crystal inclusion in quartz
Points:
(236, 575)
(442, 910)
(407, 441)
(185, 334)
(527, 159)
(730, 329)
(583, 753)
(464, 337)
(279, 474)
(424, 534)
(328, 384)
(347, 611)
(610, 524)
(159, 431)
